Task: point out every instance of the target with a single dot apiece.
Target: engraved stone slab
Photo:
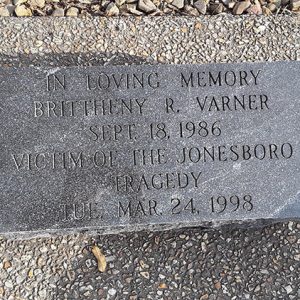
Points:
(129, 147)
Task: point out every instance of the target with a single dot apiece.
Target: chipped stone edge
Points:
(118, 229)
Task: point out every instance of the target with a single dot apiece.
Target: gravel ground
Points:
(225, 263)
(74, 8)
(221, 38)
(181, 264)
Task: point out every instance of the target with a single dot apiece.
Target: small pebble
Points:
(72, 12)
(19, 2)
(23, 11)
(295, 5)
(58, 12)
(146, 6)
(37, 3)
(9, 284)
(4, 12)
(178, 3)
(112, 10)
(112, 291)
(240, 7)
(288, 289)
(201, 6)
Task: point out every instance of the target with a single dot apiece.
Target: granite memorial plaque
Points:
(132, 147)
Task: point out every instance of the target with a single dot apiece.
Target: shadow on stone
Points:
(86, 59)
